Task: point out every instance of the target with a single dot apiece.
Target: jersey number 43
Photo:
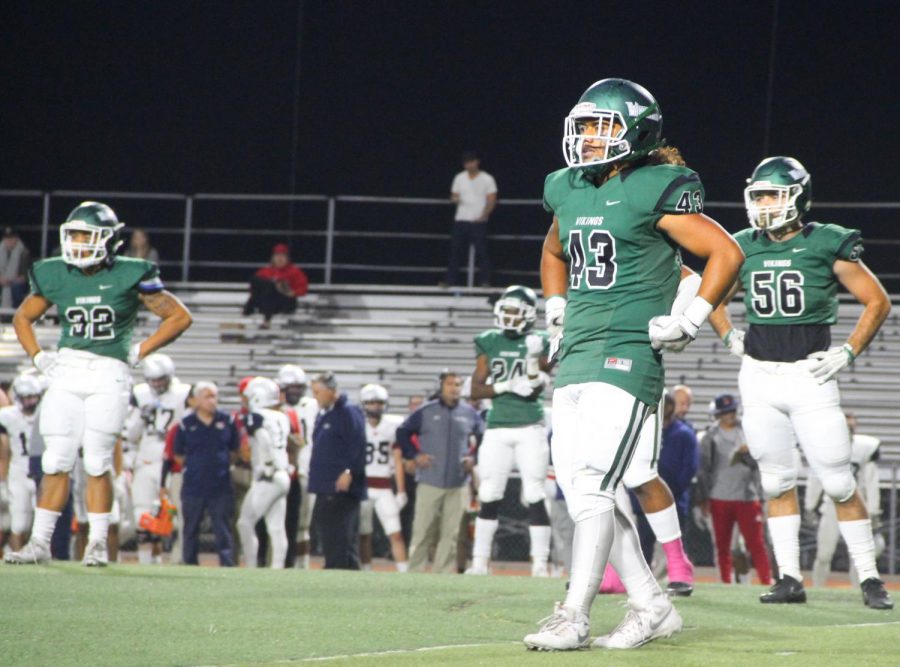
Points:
(599, 248)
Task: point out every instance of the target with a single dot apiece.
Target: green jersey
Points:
(622, 271)
(793, 282)
(97, 311)
(506, 357)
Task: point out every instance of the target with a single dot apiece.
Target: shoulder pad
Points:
(840, 242)
(483, 342)
(664, 189)
(557, 185)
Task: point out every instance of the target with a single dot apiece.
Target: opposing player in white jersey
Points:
(16, 487)
(863, 456)
(384, 462)
(155, 405)
(268, 429)
(292, 380)
(788, 377)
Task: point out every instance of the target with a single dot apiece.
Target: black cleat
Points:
(874, 595)
(786, 590)
(679, 589)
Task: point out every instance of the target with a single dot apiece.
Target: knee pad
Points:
(60, 454)
(777, 481)
(537, 514)
(490, 491)
(489, 511)
(533, 491)
(98, 452)
(585, 499)
(840, 486)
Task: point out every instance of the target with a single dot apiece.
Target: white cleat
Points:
(659, 620)
(33, 553)
(478, 571)
(95, 555)
(565, 630)
(540, 569)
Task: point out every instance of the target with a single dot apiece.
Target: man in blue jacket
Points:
(444, 427)
(337, 473)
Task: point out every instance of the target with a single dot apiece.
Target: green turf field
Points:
(66, 614)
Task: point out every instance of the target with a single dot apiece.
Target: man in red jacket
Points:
(275, 287)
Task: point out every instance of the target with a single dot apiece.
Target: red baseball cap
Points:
(281, 249)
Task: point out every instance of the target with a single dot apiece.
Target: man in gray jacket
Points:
(437, 437)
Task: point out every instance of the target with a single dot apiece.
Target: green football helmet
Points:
(778, 194)
(516, 310)
(614, 120)
(105, 239)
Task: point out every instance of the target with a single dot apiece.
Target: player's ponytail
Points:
(666, 155)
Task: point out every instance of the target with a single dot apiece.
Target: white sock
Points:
(785, 532)
(145, 554)
(628, 560)
(366, 567)
(540, 543)
(155, 560)
(98, 526)
(304, 562)
(590, 550)
(484, 540)
(665, 524)
(44, 525)
(402, 566)
(861, 546)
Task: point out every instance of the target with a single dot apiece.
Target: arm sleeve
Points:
(406, 430)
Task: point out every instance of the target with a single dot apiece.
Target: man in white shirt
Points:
(475, 194)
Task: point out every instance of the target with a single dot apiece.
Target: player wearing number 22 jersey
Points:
(97, 295)
(610, 270)
(788, 373)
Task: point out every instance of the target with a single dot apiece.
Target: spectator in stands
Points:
(15, 261)
(444, 428)
(678, 462)
(139, 246)
(729, 489)
(274, 288)
(337, 473)
(475, 194)
(206, 444)
(684, 399)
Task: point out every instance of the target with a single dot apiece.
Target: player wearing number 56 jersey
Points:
(610, 271)
(511, 356)
(97, 295)
(788, 374)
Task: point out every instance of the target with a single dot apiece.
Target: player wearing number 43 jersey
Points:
(511, 356)
(610, 270)
(97, 295)
(788, 374)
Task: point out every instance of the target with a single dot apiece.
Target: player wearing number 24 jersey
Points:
(97, 295)
(610, 271)
(788, 373)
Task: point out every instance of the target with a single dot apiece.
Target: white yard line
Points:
(855, 625)
(400, 651)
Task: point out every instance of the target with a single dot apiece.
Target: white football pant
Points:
(382, 502)
(145, 488)
(502, 449)
(265, 499)
(22, 499)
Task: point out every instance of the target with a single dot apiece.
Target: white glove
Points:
(672, 334)
(534, 344)
(825, 365)
(555, 312)
(734, 341)
(501, 387)
(522, 386)
(134, 355)
(44, 361)
(402, 500)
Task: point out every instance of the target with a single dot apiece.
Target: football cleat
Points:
(95, 555)
(564, 630)
(478, 571)
(680, 589)
(786, 590)
(540, 569)
(641, 625)
(874, 595)
(33, 553)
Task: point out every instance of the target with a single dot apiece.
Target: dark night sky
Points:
(191, 97)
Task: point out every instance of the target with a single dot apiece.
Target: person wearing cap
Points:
(475, 194)
(206, 444)
(14, 262)
(728, 489)
(275, 287)
(337, 473)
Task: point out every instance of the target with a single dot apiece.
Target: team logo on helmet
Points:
(778, 194)
(515, 311)
(90, 235)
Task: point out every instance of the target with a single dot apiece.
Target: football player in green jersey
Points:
(510, 356)
(610, 267)
(788, 375)
(97, 295)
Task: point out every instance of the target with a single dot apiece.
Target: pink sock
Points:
(611, 583)
(680, 568)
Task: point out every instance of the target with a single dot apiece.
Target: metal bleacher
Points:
(402, 337)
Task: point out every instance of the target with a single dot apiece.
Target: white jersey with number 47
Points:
(151, 416)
